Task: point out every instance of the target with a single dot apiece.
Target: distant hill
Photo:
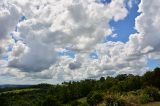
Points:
(14, 86)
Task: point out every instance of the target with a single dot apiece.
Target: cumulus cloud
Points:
(51, 25)
(132, 56)
(79, 25)
(9, 16)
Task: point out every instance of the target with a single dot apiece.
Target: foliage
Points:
(75, 103)
(114, 100)
(131, 89)
(131, 100)
(144, 98)
(94, 98)
(51, 101)
(152, 78)
(152, 92)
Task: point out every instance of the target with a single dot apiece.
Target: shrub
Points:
(135, 93)
(152, 92)
(84, 104)
(51, 101)
(131, 100)
(144, 98)
(113, 100)
(75, 103)
(94, 98)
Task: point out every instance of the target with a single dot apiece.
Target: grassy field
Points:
(20, 90)
(152, 104)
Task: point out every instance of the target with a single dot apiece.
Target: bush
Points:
(144, 98)
(94, 98)
(84, 104)
(113, 100)
(75, 103)
(135, 93)
(152, 92)
(131, 100)
(51, 101)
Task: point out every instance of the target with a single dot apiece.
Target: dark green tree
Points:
(94, 98)
(51, 101)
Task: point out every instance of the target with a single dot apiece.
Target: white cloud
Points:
(9, 16)
(79, 25)
(51, 25)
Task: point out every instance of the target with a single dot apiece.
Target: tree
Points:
(102, 79)
(94, 98)
(121, 77)
(51, 101)
(152, 78)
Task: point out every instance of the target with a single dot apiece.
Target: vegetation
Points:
(122, 90)
(94, 98)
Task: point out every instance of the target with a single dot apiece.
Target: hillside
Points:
(122, 90)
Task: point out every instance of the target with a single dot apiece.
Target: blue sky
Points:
(152, 63)
(124, 28)
(104, 1)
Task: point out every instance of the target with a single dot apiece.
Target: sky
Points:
(51, 41)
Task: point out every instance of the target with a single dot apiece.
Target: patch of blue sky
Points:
(104, 1)
(67, 52)
(152, 63)
(10, 48)
(93, 55)
(22, 18)
(124, 28)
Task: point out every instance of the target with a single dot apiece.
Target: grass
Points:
(19, 90)
(82, 100)
(152, 104)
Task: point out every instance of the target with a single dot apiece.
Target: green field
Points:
(20, 90)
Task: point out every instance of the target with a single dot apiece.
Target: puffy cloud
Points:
(35, 59)
(142, 45)
(132, 56)
(12, 72)
(147, 25)
(52, 25)
(79, 25)
(9, 16)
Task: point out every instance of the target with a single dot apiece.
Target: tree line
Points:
(95, 91)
